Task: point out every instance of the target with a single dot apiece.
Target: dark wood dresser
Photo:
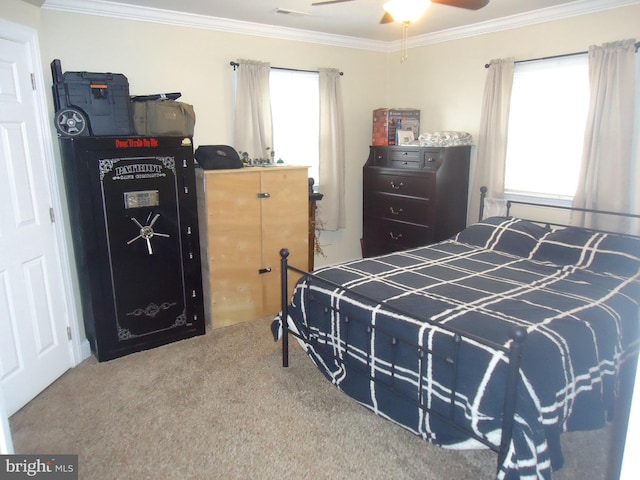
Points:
(413, 196)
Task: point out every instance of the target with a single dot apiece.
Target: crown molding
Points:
(169, 17)
(559, 12)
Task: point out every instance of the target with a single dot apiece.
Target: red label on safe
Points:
(137, 143)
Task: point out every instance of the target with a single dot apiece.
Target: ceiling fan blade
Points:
(467, 4)
(329, 2)
(386, 18)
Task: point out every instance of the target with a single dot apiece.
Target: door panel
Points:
(234, 247)
(284, 225)
(33, 321)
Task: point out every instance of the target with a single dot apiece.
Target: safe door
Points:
(136, 242)
(142, 219)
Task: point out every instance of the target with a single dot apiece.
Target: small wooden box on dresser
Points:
(413, 196)
(246, 216)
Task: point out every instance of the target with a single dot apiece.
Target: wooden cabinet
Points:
(413, 196)
(247, 215)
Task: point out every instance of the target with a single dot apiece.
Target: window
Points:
(295, 107)
(547, 118)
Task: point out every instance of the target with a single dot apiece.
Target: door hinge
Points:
(52, 215)
(33, 81)
(69, 333)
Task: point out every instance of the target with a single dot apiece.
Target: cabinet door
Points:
(234, 246)
(285, 224)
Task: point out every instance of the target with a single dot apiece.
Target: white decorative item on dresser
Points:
(247, 215)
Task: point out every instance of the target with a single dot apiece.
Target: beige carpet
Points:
(221, 406)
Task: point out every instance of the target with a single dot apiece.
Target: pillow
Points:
(503, 234)
(598, 252)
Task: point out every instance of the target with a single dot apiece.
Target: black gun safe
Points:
(134, 221)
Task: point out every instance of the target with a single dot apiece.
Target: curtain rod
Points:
(486, 65)
(236, 65)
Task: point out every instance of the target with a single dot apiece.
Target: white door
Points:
(34, 344)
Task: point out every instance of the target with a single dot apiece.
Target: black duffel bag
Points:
(217, 157)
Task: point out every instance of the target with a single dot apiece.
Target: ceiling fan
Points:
(417, 7)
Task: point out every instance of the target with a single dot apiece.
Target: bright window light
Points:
(547, 119)
(296, 115)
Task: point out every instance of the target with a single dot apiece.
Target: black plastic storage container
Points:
(91, 104)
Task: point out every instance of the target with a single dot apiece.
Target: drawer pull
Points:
(394, 211)
(395, 237)
(396, 187)
(431, 159)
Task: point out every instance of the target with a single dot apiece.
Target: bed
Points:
(504, 336)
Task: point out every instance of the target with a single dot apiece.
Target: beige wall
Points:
(445, 80)
(17, 11)
(161, 58)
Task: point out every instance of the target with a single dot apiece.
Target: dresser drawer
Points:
(432, 158)
(406, 159)
(398, 208)
(389, 236)
(419, 185)
(379, 156)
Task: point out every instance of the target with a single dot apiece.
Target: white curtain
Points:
(331, 210)
(253, 132)
(606, 179)
(492, 138)
(635, 151)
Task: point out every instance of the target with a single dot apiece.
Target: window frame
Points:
(560, 62)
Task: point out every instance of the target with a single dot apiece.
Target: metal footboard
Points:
(513, 353)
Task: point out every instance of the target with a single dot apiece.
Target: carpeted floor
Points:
(221, 406)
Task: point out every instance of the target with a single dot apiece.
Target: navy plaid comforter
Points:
(576, 294)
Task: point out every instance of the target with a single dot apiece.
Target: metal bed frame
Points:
(513, 353)
(510, 203)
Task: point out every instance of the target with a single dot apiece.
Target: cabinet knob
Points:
(396, 187)
(431, 159)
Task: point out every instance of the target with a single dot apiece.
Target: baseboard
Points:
(85, 349)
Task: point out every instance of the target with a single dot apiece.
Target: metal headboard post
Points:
(284, 288)
(483, 195)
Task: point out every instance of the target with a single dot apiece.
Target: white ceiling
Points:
(358, 19)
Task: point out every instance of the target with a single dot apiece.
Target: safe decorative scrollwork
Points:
(152, 309)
